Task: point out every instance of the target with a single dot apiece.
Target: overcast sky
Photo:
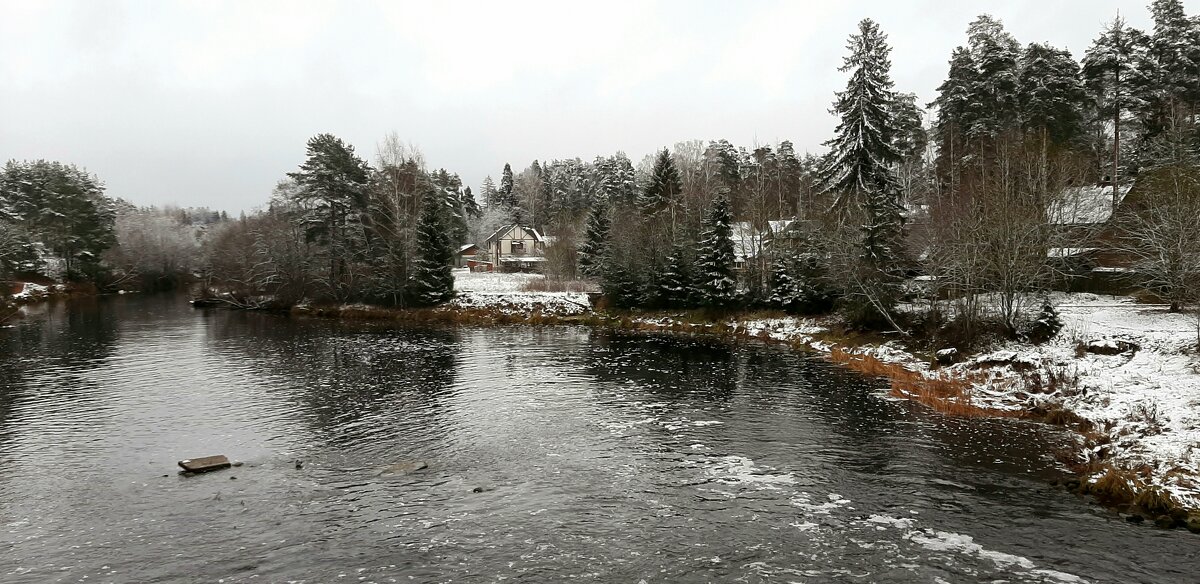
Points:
(210, 103)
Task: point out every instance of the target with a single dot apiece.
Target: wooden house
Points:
(516, 248)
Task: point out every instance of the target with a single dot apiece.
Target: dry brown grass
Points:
(1155, 500)
(940, 392)
(1114, 487)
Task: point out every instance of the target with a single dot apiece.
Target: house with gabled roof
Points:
(516, 248)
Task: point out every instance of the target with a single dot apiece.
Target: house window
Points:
(518, 247)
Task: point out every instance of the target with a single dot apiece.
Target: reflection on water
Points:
(554, 454)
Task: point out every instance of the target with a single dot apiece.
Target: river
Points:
(554, 454)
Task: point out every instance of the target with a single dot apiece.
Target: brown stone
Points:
(205, 464)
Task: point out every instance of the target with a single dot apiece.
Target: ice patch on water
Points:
(739, 470)
(897, 522)
(804, 501)
(942, 541)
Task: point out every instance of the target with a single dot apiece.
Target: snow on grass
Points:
(503, 292)
(555, 303)
(468, 281)
(1147, 399)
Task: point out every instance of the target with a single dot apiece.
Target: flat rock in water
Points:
(205, 464)
(404, 468)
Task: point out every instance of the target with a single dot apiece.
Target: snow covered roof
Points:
(749, 242)
(466, 247)
(779, 225)
(1085, 205)
(503, 230)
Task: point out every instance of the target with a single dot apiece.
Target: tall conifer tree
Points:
(432, 282)
(863, 152)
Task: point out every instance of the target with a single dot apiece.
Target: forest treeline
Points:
(966, 198)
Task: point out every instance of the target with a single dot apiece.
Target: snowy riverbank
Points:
(1129, 373)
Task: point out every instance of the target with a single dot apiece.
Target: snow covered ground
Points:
(468, 281)
(1146, 398)
(503, 292)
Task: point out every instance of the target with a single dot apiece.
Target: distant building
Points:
(465, 255)
(516, 248)
(1084, 222)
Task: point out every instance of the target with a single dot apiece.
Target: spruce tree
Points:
(863, 152)
(432, 282)
(620, 286)
(504, 194)
(860, 167)
(785, 293)
(663, 187)
(882, 241)
(595, 243)
(470, 205)
(715, 285)
(675, 284)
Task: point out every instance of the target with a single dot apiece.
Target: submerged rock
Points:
(403, 468)
(1193, 523)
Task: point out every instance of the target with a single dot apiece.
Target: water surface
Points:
(597, 457)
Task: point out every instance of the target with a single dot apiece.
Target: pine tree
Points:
(1113, 73)
(1050, 94)
(715, 286)
(595, 242)
(863, 151)
(675, 284)
(332, 188)
(664, 185)
(995, 53)
(62, 207)
(1172, 81)
(432, 282)
(957, 111)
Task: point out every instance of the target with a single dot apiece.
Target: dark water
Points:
(601, 457)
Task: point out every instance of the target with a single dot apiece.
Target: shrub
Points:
(1044, 327)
